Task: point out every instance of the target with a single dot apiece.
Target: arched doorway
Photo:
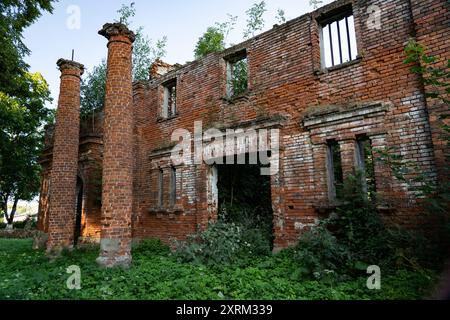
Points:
(79, 211)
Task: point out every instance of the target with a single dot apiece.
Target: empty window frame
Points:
(170, 99)
(237, 74)
(338, 39)
(334, 170)
(160, 187)
(365, 165)
(173, 186)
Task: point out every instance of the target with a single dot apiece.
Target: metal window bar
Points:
(337, 38)
(331, 45)
(348, 39)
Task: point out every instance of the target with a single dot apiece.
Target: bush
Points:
(358, 238)
(319, 253)
(219, 244)
(32, 224)
(223, 243)
(151, 247)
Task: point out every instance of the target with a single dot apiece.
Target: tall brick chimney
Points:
(63, 178)
(115, 245)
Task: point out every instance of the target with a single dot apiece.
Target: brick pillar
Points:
(63, 177)
(115, 245)
(348, 157)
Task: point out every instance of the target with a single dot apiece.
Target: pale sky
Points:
(183, 22)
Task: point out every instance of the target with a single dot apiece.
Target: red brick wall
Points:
(432, 30)
(377, 94)
(286, 78)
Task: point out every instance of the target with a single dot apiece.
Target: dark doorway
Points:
(79, 211)
(244, 196)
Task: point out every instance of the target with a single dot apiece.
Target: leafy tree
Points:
(144, 54)
(255, 20)
(93, 89)
(214, 39)
(211, 41)
(23, 113)
(15, 16)
(22, 118)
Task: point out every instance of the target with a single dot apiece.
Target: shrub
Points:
(219, 244)
(358, 238)
(29, 223)
(319, 253)
(151, 247)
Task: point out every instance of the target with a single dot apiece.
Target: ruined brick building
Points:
(111, 177)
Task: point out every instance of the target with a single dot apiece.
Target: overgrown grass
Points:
(156, 274)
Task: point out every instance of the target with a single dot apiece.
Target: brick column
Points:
(115, 245)
(63, 177)
(348, 157)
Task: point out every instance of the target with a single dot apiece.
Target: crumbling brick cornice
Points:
(116, 29)
(64, 64)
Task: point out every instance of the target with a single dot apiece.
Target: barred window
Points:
(338, 39)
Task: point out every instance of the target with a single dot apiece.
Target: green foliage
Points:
(219, 244)
(20, 224)
(214, 39)
(150, 247)
(239, 77)
(15, 16)
(436, 79)
(319, 253)
(211, 41)
(281, 16)
(424, 65)
(93, 90)
(145, 53)
(315, 3)
(125, 13)
(28, 274)
(22, 118)
(255, 20)
(346, 243)
(23, 96)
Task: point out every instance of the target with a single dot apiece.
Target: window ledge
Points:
(177, 209)
(328, 207)
(162, 119)
(338, 67)
(244, 96)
